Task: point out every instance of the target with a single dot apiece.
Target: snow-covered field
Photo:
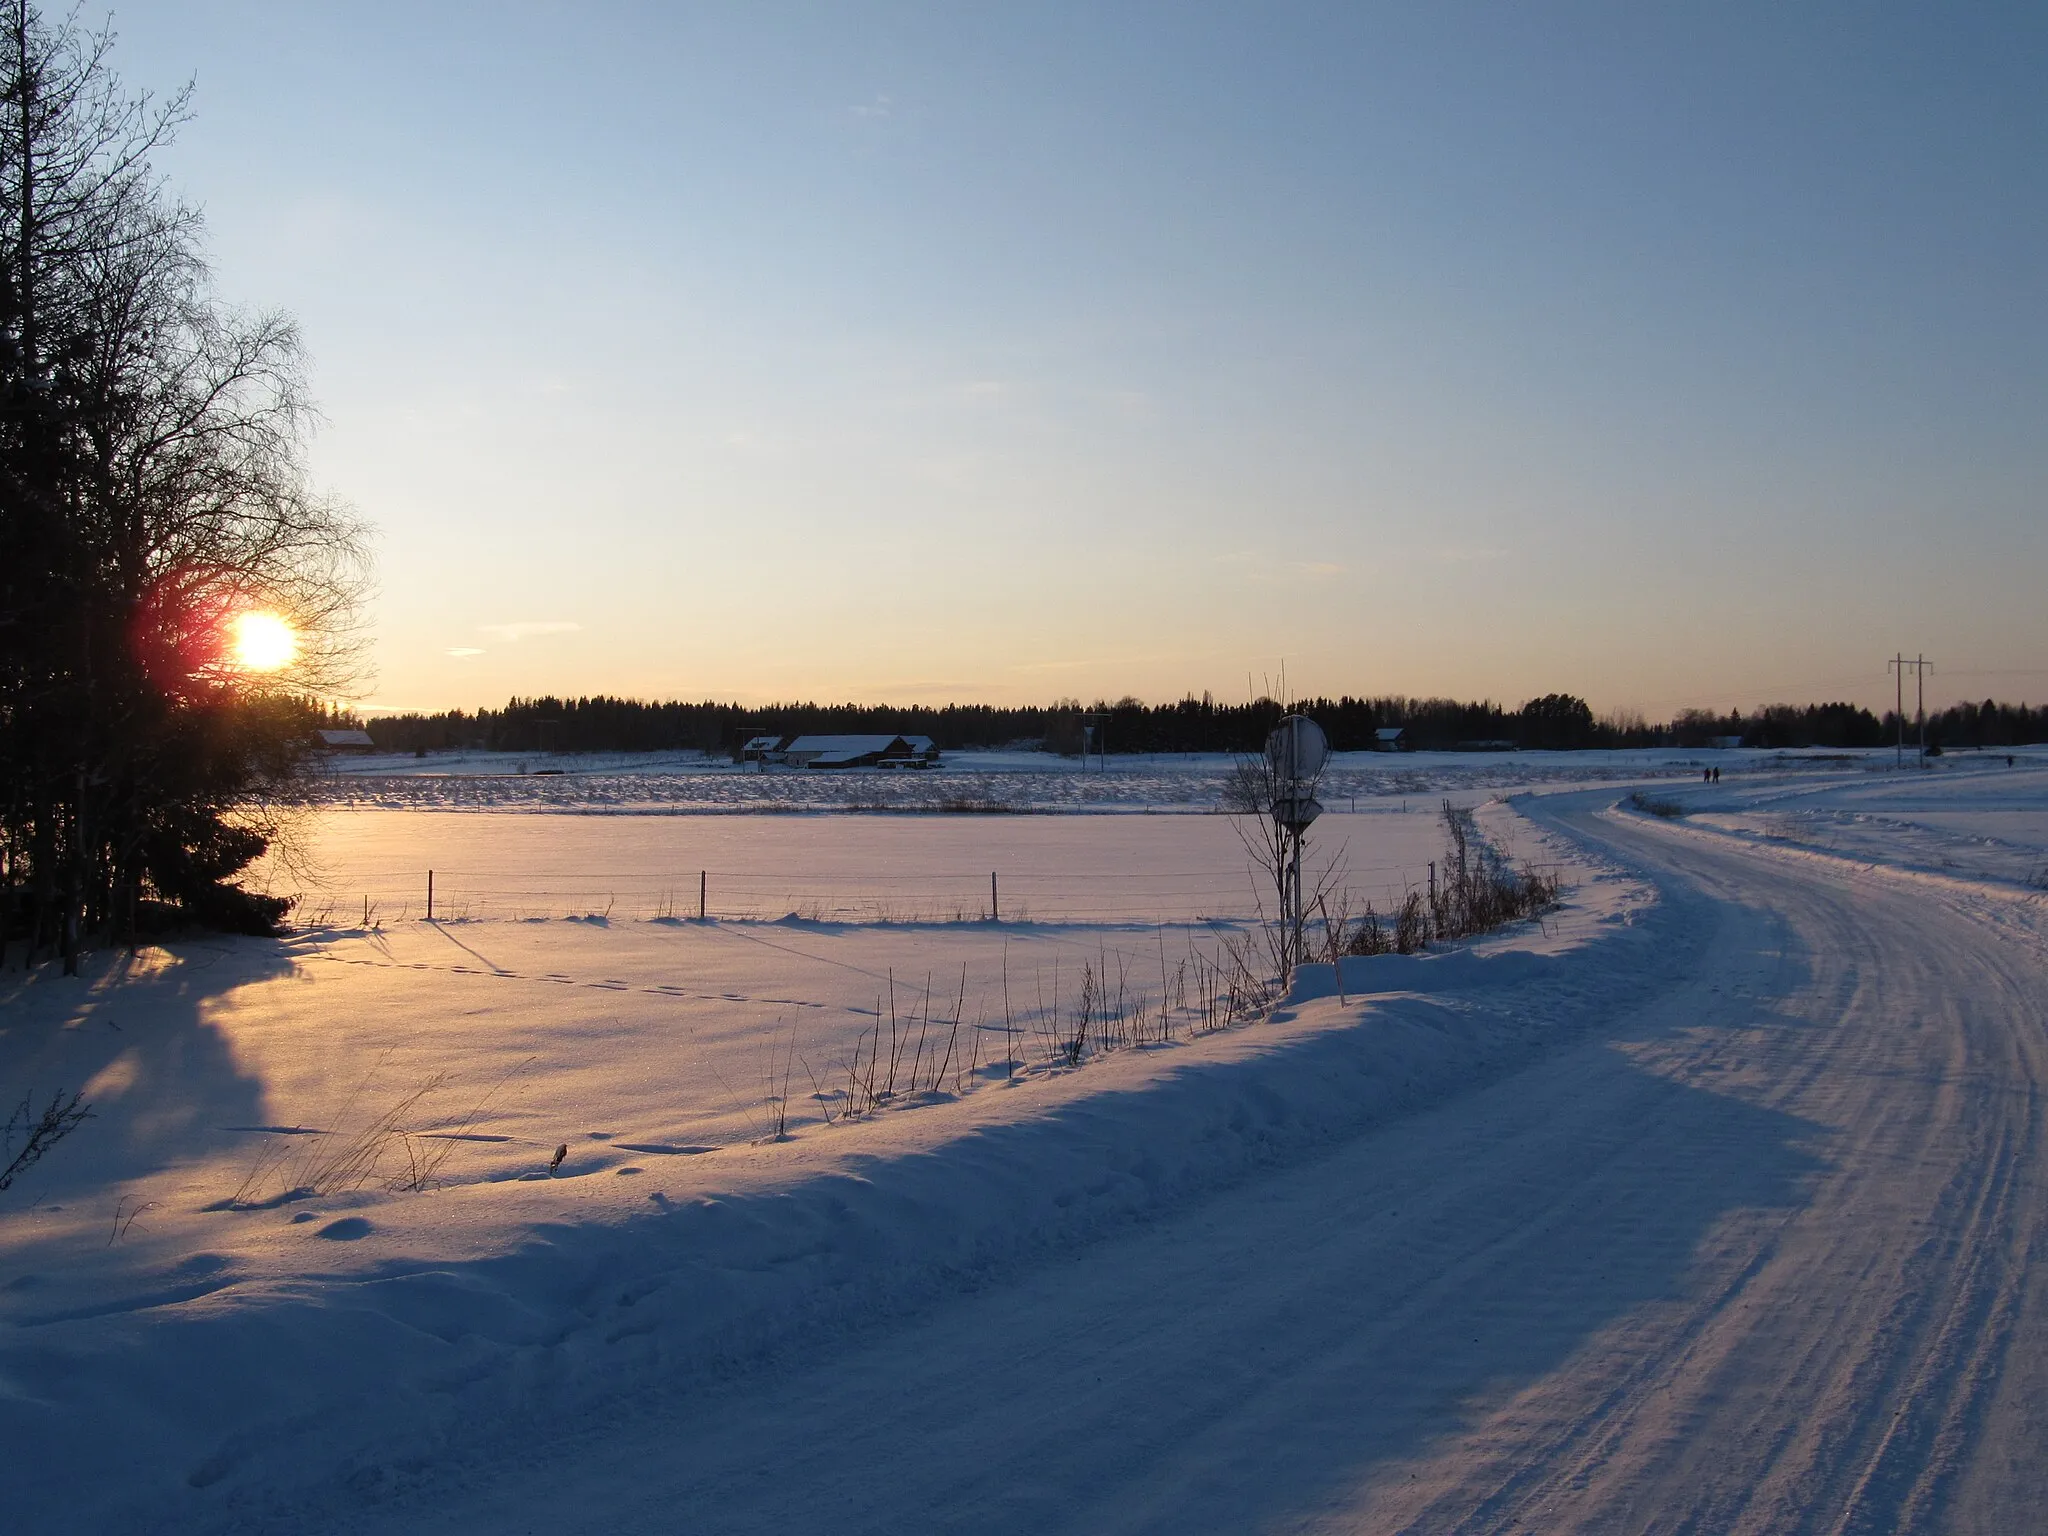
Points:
(1525, 1236)
(1977, 817)
(827, 869)
(1019, 781)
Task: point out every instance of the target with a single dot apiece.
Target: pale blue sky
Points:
(1665, 355)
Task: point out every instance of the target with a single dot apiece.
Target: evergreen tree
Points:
(151, 490)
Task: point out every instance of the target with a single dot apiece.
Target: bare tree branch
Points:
(38, 1133)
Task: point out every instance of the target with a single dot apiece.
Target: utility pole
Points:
(1897, 665)
(1921, 667)
(1095, 738)
(1920, 670)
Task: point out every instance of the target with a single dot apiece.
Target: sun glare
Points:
(263, 642)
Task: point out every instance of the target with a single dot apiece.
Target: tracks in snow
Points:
(1759, 1256)
(1863, 1359)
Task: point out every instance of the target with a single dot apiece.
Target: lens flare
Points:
(263, 642)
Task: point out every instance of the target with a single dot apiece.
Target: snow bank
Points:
(323, 1339)
(1370, 975)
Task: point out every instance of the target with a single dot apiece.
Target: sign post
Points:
(1295, 754)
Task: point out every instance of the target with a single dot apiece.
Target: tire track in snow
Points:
(1868, 1423)
(1757, 1258)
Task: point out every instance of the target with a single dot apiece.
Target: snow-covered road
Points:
(1757, 1253)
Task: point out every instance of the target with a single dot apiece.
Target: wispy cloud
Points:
(465, 650)
(325, 223)
(1135, 404)
(925, 689)
(1036, 667)
(1258, 566)
(1467, 554)
(525, 629)
(878, 106)
(1122, 660)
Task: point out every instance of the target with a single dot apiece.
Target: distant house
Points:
(841, 751)
(345, 741)
(858, 752)
(1724, 743)
(1388, 739)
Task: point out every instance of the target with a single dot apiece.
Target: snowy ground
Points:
(832, 869)
(1977, 817)
(1699, 1205)
(625, 783)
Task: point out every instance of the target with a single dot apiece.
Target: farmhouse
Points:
(843, 751)
(1388, 739)
(345, 741)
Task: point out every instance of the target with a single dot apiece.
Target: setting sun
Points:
(263, 642)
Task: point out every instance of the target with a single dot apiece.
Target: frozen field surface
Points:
(657, 783)
(1974, 816)
(1117, 869)
(1707, 1204)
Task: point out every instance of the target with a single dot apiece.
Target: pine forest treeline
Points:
(603, 724)
(1555, 721)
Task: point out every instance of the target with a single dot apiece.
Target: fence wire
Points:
(923, 896)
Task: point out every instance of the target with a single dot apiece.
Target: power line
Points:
(1921, 667)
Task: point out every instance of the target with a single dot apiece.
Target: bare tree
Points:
(151, 459)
